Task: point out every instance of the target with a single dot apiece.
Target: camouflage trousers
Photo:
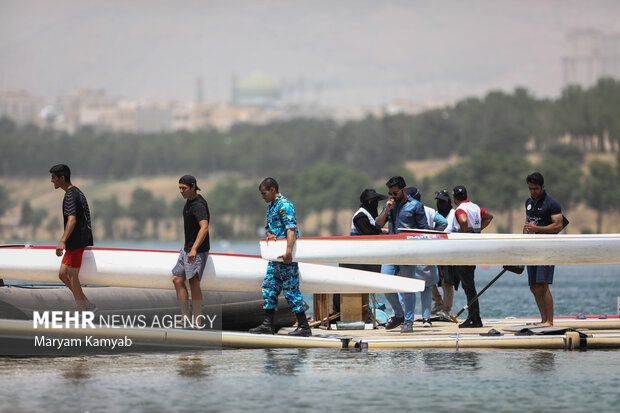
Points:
(281, 277)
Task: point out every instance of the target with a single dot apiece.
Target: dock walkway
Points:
(567, 334)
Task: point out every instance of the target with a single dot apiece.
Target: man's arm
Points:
(463, 223)
(486, 220)
(202, 233)
(383, 216)
(287, 257)
(65, 235)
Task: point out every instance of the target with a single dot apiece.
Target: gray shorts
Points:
(183, 268)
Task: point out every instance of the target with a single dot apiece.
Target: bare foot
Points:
(540, 324)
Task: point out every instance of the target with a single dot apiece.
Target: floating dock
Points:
(567, 334)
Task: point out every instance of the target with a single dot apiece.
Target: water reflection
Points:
(192, 366)
(542, 361)
(458, 360)
(77, 371)
(284, 363)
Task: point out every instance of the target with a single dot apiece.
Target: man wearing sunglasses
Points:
(401, 211)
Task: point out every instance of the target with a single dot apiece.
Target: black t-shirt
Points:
(194, 211)
(75, 204)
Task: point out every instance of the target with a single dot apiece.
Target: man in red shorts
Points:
(76, 236)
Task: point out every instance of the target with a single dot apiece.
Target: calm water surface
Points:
(315, 380)
(342, 380)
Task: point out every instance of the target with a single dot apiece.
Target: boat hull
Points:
(223, 272)
(238, 311)
(431, 248)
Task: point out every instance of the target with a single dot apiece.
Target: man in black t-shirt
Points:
(194, 254)
(76, 236)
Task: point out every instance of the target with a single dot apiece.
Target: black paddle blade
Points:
(517, 269)
(565, 222)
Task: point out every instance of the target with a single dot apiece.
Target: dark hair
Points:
(61, 170)
(269, 183)
(535, 178)
(398, 181)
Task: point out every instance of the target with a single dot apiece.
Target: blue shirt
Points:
(408, 215)
(539, 213)
(440, 222)
(281, 217)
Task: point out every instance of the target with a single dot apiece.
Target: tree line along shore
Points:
(488, 144)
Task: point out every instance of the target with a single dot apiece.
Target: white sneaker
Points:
(443, 314)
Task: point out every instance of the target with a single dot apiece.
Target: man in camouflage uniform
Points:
(281, 223)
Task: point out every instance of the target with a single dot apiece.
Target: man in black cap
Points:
(469, 217)
(194, 254)
(363, 222)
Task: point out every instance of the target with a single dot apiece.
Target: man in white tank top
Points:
(469, 217)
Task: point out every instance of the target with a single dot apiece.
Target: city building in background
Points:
(591, 54)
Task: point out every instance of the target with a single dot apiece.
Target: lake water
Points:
(343, 380)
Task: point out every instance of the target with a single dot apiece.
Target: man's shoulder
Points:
(551, 201)
(285, 203)
(414, 203)
(197, 203)
(75, 190)
(73, 194)
(201, 200)
(464, 204)
(552, 206)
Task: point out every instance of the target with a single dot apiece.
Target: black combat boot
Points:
(303, 329)
(267, 326)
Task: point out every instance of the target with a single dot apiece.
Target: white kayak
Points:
(438, 248)
(223, 272)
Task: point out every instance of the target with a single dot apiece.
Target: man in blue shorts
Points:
(281, 276)
(543, 216)
(193, 256)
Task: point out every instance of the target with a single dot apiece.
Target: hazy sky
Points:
(361, 52)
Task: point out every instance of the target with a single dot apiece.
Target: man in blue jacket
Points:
(401, 211)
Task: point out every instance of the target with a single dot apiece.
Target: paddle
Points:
(517, 269)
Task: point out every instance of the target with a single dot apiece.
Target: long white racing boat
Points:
(223, 272)
(438, 248)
